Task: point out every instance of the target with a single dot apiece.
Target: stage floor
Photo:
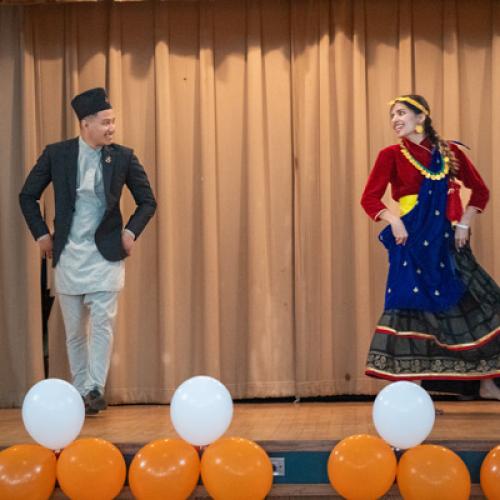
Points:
(300, 431)
(473, 422)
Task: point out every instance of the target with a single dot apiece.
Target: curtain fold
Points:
(332, 235)
(21, 348)
(257, 123)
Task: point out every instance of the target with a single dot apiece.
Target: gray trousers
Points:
(89, 321)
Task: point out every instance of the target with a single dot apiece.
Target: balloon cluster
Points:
(403, 415)
(359, 467)
(53, 414)
(94, 469)
(201, 411)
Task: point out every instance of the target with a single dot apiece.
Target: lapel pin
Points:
(108, 159)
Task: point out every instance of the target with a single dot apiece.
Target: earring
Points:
(419, 129)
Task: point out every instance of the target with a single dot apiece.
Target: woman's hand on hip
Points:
(397, 226)
(461, 236)
(399, 231)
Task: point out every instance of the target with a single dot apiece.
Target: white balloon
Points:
(53, 413)
(201, 410)
(403, 414)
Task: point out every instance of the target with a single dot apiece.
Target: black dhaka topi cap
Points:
(90, 102)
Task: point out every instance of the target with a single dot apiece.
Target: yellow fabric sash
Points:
(407, 203)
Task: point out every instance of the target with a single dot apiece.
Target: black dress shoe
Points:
(88, 409)
(96, 400)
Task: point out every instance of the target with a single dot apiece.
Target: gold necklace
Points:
(428, 174)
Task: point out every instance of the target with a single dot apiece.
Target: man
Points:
(88, 245)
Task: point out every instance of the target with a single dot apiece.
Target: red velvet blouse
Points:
(391, 167)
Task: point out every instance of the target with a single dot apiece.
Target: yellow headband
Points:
(411, 101)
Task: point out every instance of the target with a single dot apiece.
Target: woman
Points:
(441, 319)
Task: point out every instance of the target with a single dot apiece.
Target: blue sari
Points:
(422, 273)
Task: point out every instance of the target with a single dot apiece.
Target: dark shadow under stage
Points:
(302, 433)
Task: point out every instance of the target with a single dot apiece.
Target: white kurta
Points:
(81, 268)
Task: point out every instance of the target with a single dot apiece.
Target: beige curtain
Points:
(335, 309)
(202, 94)
(349, 60)
(257, 123)
(21, 350)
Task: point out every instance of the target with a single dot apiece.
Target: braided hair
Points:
(430, 132)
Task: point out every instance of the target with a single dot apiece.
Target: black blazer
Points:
(59, 164)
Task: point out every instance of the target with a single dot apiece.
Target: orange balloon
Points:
(236, 468)
(166, 468)
(27, 471)
(362, 467)
(91, 469)
(434, 473)
(490, 474)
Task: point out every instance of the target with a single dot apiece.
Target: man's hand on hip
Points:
(127, 241)
(45, 245)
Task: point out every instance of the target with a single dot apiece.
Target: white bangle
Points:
(129, 232)
(462, 226)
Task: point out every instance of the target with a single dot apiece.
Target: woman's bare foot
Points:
(489, 390)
